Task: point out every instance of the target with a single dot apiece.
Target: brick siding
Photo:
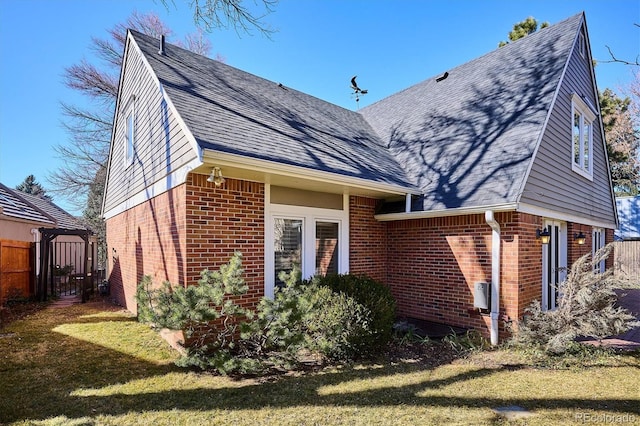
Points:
(431, 265)
(223, 220)
(367, 239)
(177, 234)
(149, 239)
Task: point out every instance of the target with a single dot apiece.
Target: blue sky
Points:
(319, 45)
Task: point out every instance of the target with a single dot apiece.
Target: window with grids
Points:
(582, 118)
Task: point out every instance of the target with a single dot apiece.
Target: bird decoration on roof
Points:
(357, 91)
(442, 77)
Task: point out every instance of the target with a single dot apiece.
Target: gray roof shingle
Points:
(63, 220)
(468, 140)
(29, 207)
(235, 112)
(464, 141)
(14, 205)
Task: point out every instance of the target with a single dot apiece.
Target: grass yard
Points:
(94, 364)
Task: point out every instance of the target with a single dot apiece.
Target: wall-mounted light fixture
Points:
(216, 176)
(543, 235)
(580, 238)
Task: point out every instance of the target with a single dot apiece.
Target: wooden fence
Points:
(627, 260)
(17, 260)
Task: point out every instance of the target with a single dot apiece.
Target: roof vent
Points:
(161, 51)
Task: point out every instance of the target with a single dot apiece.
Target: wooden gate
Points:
(627, 260)
(17, 259)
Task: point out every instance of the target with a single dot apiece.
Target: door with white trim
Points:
(315, 241)
(554, 263)
(597, 242)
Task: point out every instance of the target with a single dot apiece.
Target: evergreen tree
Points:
(31, 186)
(523, 29)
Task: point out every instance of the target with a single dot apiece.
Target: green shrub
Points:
(306, 317)
(372, 295)
(206, 313)
(338, 327)
(338, 318)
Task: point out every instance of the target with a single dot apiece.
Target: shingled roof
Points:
(232, 111)
(463, 141)
(62, 218)
(12, 205)
(468, 139)
(23, 206)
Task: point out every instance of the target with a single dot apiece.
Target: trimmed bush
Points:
(206, 313)
(372, 295)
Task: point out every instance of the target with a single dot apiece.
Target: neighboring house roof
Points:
(14, 206)
(62, 219)
(232, 111)
(469, 139)
(629, 216)
(23, 206)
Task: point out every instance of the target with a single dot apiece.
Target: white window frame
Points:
(580, 107)
(597, 242)
(129, 133)
(309, 216)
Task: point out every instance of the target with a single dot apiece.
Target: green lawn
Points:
(94, 364)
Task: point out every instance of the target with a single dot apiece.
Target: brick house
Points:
(432, 191)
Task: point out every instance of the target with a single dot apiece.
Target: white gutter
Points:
(495, 275)
(445, 212)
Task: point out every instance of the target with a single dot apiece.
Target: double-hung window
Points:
(582, 118)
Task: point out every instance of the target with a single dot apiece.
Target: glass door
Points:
(554, 263)
(327, 247)
(312, 241)
(288, 247)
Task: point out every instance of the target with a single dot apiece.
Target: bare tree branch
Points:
(620, 61)
(211, 14)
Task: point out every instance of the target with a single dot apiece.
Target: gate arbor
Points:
(65, 267)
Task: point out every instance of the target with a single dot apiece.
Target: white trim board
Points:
(170, 181)
(517, 207)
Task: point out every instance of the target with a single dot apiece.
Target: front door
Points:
(554, 263)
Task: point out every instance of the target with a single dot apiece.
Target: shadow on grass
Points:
(303, 392)
(64, 376)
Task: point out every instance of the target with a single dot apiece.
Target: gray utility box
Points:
(482, 295)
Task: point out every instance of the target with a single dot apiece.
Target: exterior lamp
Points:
(580, 238)
(216, 176)
(543, 235)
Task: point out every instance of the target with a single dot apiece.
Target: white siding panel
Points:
(552, 184)
(161, 144)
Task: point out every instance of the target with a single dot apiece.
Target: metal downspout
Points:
(495, 274)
